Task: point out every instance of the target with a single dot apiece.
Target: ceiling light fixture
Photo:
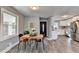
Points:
(34, 7)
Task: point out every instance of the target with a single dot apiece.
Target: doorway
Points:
(43, 28)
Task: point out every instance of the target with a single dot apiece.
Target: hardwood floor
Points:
(61, 45)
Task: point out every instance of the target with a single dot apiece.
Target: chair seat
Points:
(24, 40)
(38, 40)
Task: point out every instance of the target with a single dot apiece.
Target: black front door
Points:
(43, 29)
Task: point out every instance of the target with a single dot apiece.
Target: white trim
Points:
(8, 48)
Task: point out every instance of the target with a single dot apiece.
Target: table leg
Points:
(43, 44)
(36, 45)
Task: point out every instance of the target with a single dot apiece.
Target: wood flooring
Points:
(61, 45)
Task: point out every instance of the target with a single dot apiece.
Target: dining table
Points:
(37, 38)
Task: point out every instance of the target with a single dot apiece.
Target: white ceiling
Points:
(47, 11)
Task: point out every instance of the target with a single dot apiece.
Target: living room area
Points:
(37, 29)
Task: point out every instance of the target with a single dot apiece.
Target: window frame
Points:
(17, 23)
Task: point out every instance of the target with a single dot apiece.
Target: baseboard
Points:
(8, 48)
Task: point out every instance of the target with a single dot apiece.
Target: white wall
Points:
(0, 23)
(34, 20)
(51, 23)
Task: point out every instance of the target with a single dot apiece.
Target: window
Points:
(9, 24)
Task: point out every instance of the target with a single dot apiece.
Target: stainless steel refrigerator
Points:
(75, 30)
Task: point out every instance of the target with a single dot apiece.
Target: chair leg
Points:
(33, 47)
(24, 45)
(18, 46)
(29, 42)
(36, 45)
(43, 45)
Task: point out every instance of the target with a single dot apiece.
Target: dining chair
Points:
(35, 44)
(39, 39)
(20, 35)
(23, 41)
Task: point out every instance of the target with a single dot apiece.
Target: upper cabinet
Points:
(65, 23)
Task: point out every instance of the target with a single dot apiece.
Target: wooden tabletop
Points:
(38, 36)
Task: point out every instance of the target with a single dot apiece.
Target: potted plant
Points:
(26, 32)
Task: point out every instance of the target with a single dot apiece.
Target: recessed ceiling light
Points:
(34, 7)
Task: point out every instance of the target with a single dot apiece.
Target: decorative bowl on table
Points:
(33, 34)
